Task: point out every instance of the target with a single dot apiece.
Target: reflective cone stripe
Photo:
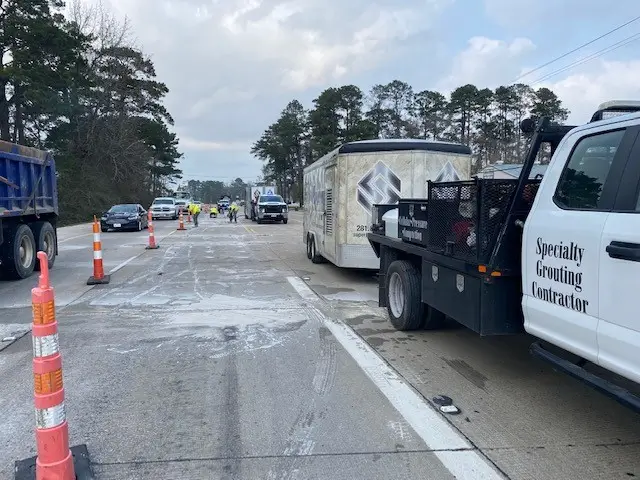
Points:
(54, 459)
(152, 235)
(98, 268)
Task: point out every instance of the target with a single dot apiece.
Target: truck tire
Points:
(19, 253)
(285, 221)
(404, 300)
(45, 237)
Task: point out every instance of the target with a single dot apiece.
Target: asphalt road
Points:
(227, 354)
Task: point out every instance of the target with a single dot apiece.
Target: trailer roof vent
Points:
(614, 108)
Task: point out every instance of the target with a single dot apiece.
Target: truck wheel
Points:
(45, 237)
(433, 319)
(404, 299)
(285, 221)
(19, 254)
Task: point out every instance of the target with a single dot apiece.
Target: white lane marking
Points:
(450, 447)
(123, 264)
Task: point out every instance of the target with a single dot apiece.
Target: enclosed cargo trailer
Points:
(341, 188)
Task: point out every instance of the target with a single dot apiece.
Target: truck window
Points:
(581, 182)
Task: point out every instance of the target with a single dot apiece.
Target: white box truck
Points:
(252, 195)
(341, 188)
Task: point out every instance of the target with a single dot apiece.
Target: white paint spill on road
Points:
(454, 451)
(351, 297)
(401, 430)
(235, 318)
(123, 264)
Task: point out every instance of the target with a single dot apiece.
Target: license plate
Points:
(116, 225)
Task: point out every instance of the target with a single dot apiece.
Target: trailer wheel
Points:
(309, 254)
(45, 237)
(315, 257)
(404, 300)
(19, 253)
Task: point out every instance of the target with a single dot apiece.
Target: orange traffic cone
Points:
(52, 433)
(98, 268)
(181, 222)
(54, 459)
(152, 236)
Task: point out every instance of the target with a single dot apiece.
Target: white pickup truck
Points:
(557, 257)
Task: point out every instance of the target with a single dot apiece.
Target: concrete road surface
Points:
(226, 354)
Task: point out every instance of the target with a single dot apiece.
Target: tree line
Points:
(210, 191)
(487, 120)
(78, 85)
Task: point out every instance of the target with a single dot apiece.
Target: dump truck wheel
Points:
(45, 237)
(19, 252)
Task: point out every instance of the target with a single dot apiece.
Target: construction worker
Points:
(194, 210)
(213, 212)
(233, 212)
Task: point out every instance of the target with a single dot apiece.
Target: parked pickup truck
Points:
(557, 257)
(164, 207)
(271, 208)
(28, 209)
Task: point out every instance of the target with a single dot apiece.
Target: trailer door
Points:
(329, 247)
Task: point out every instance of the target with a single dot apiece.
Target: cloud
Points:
(224, 96)
(519, 14)
(189, 143)
(232, 65)
(601, 81)
(490, 63)
(487, 62)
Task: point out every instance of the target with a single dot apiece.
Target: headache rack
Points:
(467, 218)
(476, 223)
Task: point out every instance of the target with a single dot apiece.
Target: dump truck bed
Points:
(28, 183)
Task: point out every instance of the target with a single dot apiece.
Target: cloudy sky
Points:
(232, 65)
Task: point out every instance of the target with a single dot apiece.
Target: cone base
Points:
(181, 228)
(99, 281)
(26, 469)
(149, 247)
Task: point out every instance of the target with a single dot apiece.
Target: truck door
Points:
(329, 247)
(619, 327)
(563, 239)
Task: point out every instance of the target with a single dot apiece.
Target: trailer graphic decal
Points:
(448, 174)
(378, 185)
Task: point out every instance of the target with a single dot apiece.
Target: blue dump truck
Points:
(28, 209)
